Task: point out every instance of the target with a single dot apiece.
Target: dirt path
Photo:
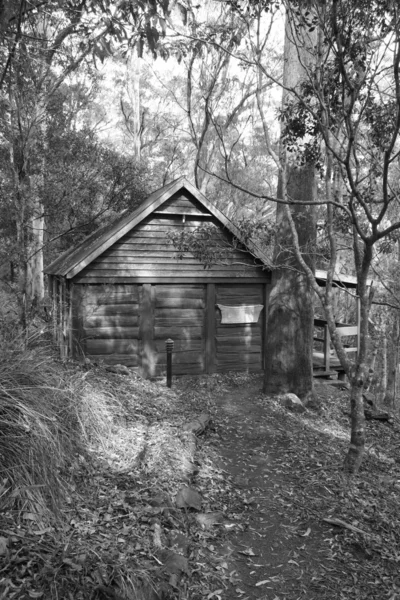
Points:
(274, 554)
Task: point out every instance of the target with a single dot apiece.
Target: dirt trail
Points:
(276, 556)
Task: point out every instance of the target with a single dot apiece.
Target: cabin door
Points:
(239, 326)
(179, 314)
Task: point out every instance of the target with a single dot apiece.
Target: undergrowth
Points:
(39, 432)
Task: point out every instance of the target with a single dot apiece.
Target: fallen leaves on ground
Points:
(124, 536)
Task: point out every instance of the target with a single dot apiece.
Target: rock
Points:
(198, 425)
(187, 497)
(369, 398)
(312, 401)
(377, 415)
(162, 501)
(292, 402)
(210, 519)
(120, 369)
(341, 385)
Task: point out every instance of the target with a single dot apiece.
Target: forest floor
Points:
(245, 514)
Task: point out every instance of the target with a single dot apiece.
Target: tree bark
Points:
(384, 376)
(133, 83)
(355, 453)
(392, 359)
(291, 313)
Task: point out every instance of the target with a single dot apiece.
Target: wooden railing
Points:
(327, 360)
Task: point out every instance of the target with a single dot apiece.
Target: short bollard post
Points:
(169, 345)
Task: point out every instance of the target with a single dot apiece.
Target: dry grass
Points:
(85, 436)
(37, 432)
(51, 413)
(134, 425)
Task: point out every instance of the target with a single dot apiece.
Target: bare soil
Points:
(284, 472)
(276, 555)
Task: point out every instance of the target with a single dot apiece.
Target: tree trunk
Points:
(372, 368)
(391, 361)
(34, 271)
(291, 313)
(133, 83)
(384, 375)
(355, 453)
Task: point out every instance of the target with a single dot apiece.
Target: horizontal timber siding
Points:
(147, 253)
(109, 323)
(180, 314)
(239, 346)
(182, 203)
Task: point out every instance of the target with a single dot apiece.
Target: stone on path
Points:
(292, 402)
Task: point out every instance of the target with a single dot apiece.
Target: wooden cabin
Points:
(126, 289)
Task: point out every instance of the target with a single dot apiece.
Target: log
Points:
(340, 523)
(198, 425)
(372, 415)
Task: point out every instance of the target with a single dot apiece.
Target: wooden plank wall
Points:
(239, 347)
(147, 251)
(180, 315)
(129, 324)
(109, 323)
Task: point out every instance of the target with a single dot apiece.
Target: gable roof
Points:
(71, 262)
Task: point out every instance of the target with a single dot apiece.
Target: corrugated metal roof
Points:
(71, 262)
(340, 279)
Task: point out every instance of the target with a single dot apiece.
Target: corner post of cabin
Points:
(69, 329)
(146, 330)
(210, 329)
(264, 332)
(63, 318)
(358, 311)
(60, 309)
(52, 294)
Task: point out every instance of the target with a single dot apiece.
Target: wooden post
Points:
(69, 331)
(63, 318)
(327, 349)
(169, 346)
(210, 329)
(146, 330)
(77, 321)
(266, 293)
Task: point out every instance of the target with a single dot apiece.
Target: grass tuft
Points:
(38, 433)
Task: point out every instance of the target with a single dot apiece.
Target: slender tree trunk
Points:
(384, 368)
(355, 453)
(392, 361)
(35, 278)
(291, 313)
(372, 368)
(134, 97)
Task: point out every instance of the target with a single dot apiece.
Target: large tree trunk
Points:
(290, 317)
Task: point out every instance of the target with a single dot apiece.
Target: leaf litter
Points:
(269, 485)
